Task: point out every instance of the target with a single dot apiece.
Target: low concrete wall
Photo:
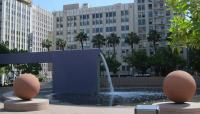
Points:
(134, 82)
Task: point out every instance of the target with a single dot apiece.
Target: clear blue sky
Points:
(55, 5)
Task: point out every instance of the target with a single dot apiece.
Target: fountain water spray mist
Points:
(108, 73)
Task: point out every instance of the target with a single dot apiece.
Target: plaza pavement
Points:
(64, 109)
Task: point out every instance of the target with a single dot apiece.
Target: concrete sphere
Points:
(179, 86)
(26, 86)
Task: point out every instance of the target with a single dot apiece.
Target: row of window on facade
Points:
(143, 1)
(150, 6)
(96, 15)
(157, 28)
(95, 22)
(154, 21)
(99, 30)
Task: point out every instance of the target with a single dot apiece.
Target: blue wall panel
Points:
(74, 72)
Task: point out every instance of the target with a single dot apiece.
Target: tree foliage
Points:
(139, 60)
(185, 26)
(3, 50)
(113, 40)
(132, 39)
(165, 61)
(81, 37)
(194, 59)
(98, 41)
(33, 68)
(154, 37)
(113, 64)
(60, 43)
(47, 44)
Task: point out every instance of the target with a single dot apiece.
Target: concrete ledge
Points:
(173, 108)
(21, 105)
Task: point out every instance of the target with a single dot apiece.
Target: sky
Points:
(56, 5)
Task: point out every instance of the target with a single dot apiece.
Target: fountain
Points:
(111, 88)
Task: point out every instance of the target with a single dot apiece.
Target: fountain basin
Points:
(107, 98)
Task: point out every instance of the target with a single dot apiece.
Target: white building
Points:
(42, 26)
(152, 15)
(139, 17)
(15, 23)
(25, 26)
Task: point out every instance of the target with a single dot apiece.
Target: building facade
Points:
(140, 17)
(152, 15)
(24, 26)
(15, 23)
(42, 26)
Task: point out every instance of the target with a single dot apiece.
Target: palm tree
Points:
(47, 44)
(61, 44)
(81, 37)
(113, 41)
(132, 39)
(98, 41)
(154, 37)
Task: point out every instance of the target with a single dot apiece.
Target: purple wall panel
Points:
(74, 72)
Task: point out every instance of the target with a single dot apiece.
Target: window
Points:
(114, 14)
(57, 33)
(97, 15)
(124, 12)
(150, 14)
(123, 68)
(168, 13)
(141, 7)
(110, 14)
(101, 29)
(156, 13)
(141, 14)
(122, 28)
(150, 21)
(141, 21)
(101, 15)
(93, 15)
(97, 30)
(58, 19)
(84, 17)
(150, 6)
(111, 29)
(140, 1)
(125, 28)
(61, 26)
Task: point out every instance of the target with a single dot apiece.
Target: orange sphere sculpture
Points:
(179, 86)
(26, 86)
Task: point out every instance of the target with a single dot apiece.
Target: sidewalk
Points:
(62, 109)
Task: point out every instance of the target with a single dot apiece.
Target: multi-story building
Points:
(15, 23)
(25, 26)
(140, 17)
(42, 26)
(152, 15)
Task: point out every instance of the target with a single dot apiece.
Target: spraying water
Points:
(108, 73)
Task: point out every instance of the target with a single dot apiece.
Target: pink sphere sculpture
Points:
(26, 86)
(179, 86)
